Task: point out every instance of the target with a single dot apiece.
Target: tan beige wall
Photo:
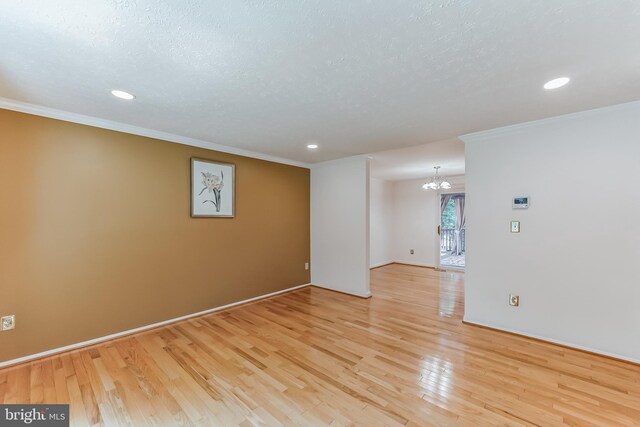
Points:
(96, 237)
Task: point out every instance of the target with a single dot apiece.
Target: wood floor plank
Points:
(316, 357)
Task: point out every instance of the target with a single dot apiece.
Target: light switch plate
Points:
(515, 226)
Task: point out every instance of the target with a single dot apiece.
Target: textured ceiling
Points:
(419, 161)
(355, 76)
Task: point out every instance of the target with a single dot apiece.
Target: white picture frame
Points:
(212, 189)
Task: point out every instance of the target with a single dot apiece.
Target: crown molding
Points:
(329, 163)
(53, 113)
(517, 128)
(423, 177)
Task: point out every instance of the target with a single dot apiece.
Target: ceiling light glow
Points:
(556, 83)
(122, 94)
(312, 146)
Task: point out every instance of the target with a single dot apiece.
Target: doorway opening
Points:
(452, 231)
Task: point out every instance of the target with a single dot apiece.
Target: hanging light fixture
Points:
(437, 182)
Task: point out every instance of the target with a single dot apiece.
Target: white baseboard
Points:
(380, 264)
(417, 264)
(140, 329)
(363, 295)
(554, 341)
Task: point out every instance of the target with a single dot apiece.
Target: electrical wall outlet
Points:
(306, 265)
(8, 322)
(514, 300)
(411, 251)
(515, 226)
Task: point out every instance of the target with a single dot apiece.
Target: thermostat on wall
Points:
(520, 202)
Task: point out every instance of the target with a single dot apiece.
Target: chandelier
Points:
(437, 182)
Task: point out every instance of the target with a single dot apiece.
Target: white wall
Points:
(574, 262)
(415, 223)
(415, 219)
(381, 222)
(340, 225)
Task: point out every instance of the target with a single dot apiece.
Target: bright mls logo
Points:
(34, 415)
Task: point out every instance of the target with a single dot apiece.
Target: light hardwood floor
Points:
(316, 357)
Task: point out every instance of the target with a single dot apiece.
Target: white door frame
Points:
(455, 189)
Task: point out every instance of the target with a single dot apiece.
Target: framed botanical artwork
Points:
(212, 189)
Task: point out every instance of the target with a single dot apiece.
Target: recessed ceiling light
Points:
(556, 83)
(122, 94)
(312, 146)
